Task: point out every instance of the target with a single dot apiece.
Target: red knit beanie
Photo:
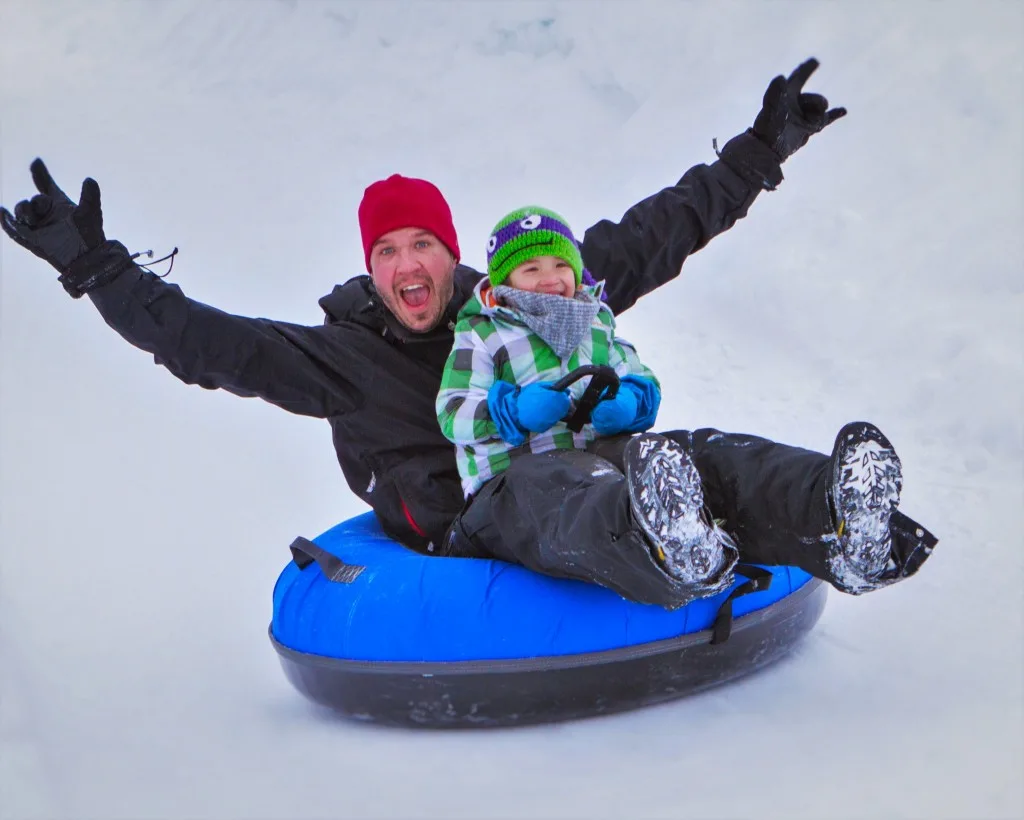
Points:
(404, 202)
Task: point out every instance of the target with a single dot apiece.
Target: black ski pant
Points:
(567, 513)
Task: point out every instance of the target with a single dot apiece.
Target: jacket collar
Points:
(357, 301)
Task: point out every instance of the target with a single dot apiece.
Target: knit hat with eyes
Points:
(526, 234)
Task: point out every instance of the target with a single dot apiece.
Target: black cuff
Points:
(754, 161)
(96, 268)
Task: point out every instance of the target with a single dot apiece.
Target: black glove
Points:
(68, 236)
(788, 116)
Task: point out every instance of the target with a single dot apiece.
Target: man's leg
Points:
(777, 502)
(771, 497)
(568, 513)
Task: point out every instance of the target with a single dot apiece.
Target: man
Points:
(373, 368)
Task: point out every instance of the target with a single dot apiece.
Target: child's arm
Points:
(635, 407)
(476, 409)
(623, 357)
(465, 383)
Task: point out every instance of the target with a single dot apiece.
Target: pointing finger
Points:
(802, 73)
(41, 177)
(44, 182)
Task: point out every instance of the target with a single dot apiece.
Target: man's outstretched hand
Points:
(51, 225)
(789, 115)
(67, 235)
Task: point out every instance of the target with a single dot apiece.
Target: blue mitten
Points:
(541, 408)
(634, 408)
(533, 408)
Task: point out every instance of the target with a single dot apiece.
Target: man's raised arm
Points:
(292, 366)
(647, 247)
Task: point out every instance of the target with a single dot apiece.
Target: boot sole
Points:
(668, 502)
(867, 481)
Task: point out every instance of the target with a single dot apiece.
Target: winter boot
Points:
(867, 478)
(667, 501)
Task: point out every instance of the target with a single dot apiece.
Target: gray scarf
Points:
(559, 321)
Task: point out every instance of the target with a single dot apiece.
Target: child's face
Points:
(545, 274)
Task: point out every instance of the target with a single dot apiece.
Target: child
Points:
(531, 322)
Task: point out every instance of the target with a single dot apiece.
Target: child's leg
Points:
(771, 497)
(567, 513)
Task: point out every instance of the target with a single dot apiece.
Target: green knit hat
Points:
(526, 234)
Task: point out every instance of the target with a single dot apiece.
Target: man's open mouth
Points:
(414, 296)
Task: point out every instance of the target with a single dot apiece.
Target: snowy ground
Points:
(144, 523)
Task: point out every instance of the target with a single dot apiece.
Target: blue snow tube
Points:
(381, 633)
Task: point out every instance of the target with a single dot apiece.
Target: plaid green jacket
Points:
(491, 344)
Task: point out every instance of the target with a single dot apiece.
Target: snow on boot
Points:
(867, 479)
(667, 500)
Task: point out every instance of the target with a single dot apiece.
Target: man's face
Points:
(414, 273)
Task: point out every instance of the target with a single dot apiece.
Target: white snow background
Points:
(145, 522)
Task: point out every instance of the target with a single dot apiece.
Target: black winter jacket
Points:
(375, 382)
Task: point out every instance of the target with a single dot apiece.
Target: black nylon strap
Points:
(95, 269)
(760, 579)
(305, 552)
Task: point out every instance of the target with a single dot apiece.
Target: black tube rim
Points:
(497, 666)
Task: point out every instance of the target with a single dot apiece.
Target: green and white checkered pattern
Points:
(492, 344)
